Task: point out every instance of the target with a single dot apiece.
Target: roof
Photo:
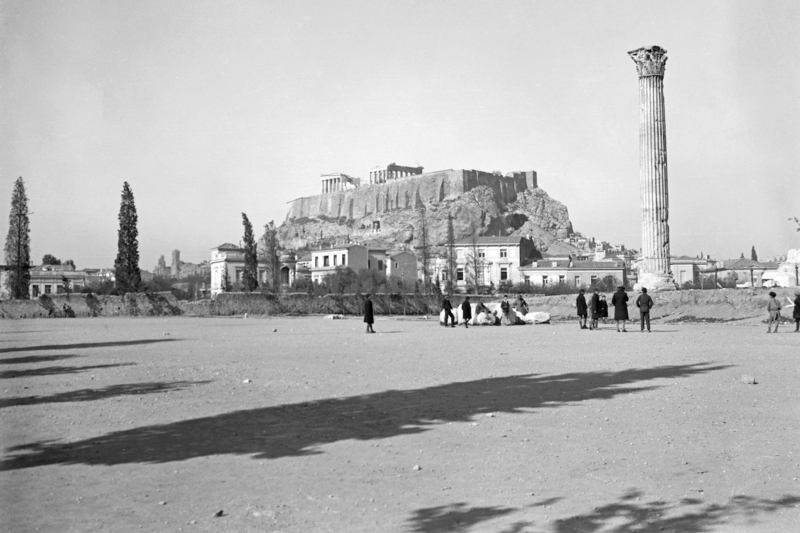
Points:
(304, 257)
(490, 241)
(576, 265)
(227, 246)
(743, 264)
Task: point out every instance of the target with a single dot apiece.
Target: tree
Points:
(18, 243)
(250, 274)
(67, 284)
(225, 282)
(473, 268)
(742, 257)
(50, 260)
(126, 265)
(269, 247)
(423, 246)
(796, 221)
(753, 254)
(451, 256)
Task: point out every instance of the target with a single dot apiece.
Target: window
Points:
(460, 274)
(527, 280)
(344, 259)
(577, 280)
(59, 289)
(35, 291)
(503, 274)
(594, 280)
(335, 258)
(544, 281)
(396, 265)
(47, 289)
(562, 280)
(325, 261)
(369, 264)
(503, 252)
(380, 264)
(482, 254)
(239, 275)
(376, 225)
(683, 276)
(316, 262)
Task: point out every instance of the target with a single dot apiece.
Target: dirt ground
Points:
(304, 425)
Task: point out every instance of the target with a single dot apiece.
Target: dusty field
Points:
(110, 424)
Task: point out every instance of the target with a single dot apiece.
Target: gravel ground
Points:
(305, 424)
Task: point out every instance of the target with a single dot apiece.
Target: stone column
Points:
(654, 273)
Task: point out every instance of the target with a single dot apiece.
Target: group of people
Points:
(598, 307)
(774, 309)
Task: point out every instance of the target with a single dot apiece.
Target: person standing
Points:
(447, 307)
(466, 311)
(505, 307)
(774, 310)
(620, 303)
(603, 308)
(796, 313)
(580, 304)
(644, 303)
(594, 307)
(369, 317)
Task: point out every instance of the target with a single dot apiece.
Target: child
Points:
(774, 310)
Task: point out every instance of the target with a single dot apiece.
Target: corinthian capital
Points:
(649, 61)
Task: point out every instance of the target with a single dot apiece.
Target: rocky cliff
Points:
(389, 215)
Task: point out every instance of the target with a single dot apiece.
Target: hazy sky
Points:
(211, 109)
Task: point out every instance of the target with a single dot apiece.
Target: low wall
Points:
(91, 305)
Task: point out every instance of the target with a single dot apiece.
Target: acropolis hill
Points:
(386, 211)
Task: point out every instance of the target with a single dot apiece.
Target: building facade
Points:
(551, 271)
(403, 266)
(354, 256)
(392, 171)
(481, 261)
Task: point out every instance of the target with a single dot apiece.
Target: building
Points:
(229, 258)
(481, 261)
(56, 279)
(685, 269)
(392, 171)
(746, 272)
(338, 182)
(354, 256)
(550, 270)
(402, 265)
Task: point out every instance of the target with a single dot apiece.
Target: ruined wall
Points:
(408, 193)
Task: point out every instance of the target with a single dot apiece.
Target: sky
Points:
(210, 109)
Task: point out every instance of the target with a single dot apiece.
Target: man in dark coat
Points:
(603, 308)
(594, 307)
(796, 312)
(580, 303)
(644, 303)
(466, 311)
(448, 312)
(620, 303)
(369, 318)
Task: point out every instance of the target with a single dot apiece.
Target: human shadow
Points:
(54, 370)
(300, 429)
(35, 359)
(88, 395)
(83, 345)
(626, 515)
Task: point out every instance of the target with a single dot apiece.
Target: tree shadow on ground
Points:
(83, 345)
(54, 370)
(89, 395)
(35, 359)
(626, 515)
(299, 429)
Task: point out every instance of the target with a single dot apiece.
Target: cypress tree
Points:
(451, 256)
(250, 274)
(126, 265)
(423, 245)
(18, 243)
(753, 254)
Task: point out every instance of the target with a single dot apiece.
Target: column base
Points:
(655, 282)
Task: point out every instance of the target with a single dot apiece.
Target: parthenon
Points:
(392, 171)
(338, 182)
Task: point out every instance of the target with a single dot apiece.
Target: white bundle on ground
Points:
(537, 317)
(333, 317)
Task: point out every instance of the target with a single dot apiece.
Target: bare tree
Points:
(474, 263)
(269, 247)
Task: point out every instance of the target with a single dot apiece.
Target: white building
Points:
(354, 256)
(498, 260)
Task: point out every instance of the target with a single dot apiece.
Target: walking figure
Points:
(369, 318)
(644, 303)
(774, 310)
(580, 303)
(620, 303)
(466, 311)
(448, 311)
(594, 307)
(796, 312)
